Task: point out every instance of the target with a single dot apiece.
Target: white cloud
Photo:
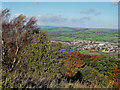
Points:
(90, 11)
(114, 2)
(51, 18)
(58, 20)
(16, 14)
(39, 16)
(36, 1)
(97, 13)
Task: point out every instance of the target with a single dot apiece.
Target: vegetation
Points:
(31, 60)
(70, 34)
(16, 33)
(104, 65)
(38, 61)
(75, 60)
(114, 77)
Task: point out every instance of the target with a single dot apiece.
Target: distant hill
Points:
(71, 33)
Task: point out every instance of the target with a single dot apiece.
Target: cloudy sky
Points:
(69, 14)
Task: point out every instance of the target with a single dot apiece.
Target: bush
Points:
(39, 63)
(114, 76)
(92, 76)
(16, 32)
(104, 65)
(76, 60)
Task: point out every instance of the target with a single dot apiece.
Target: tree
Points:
(104, 65)
(114, 76)
(75, 60)
(16, 33)
(40, 61)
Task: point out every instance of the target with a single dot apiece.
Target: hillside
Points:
(70, 34)
(30, 59)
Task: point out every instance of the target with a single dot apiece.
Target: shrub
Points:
(93, 77)
(103, 65)
(16, 32)
(114, 76)
(75, 60)
(40, 62)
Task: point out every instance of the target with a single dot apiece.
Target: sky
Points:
(68, 14)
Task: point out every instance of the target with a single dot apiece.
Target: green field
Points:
(89, 52)
(70, 34)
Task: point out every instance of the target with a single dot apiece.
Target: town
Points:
(105, 47)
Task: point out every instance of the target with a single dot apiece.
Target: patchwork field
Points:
(70, 34)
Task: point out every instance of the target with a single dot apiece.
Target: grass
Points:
(89, 52)
(70, 34)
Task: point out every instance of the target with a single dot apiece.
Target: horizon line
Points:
(77, 27)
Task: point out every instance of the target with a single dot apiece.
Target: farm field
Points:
(70, 34)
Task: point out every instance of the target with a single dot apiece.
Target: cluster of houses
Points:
(105, 47)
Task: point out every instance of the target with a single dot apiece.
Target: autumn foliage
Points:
(75, 60)
(114, 77)
(16, 32)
